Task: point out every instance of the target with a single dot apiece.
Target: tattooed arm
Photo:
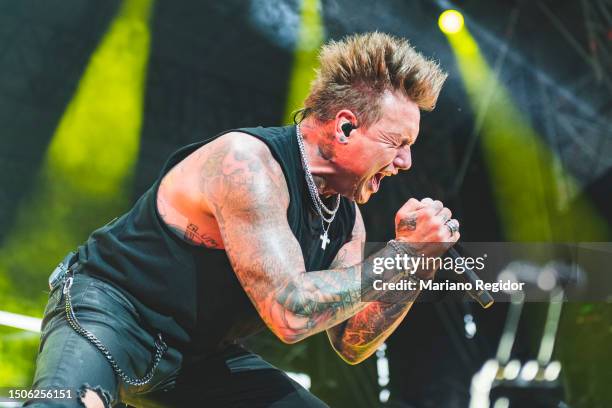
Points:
(358, 337)
(420, 224)
(244, 188)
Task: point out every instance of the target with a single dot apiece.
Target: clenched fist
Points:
(427, 226)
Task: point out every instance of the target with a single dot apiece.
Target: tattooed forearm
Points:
(360, 336)
(314, 301)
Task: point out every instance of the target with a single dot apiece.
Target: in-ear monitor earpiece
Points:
(347, 127)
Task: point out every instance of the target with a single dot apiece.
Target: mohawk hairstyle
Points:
(356, 71)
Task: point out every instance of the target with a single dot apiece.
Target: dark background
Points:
(217, 65)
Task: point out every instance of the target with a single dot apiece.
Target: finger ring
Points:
(453, 226)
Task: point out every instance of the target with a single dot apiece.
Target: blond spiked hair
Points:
(355, 72)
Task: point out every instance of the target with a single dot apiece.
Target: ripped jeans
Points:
(234, 377)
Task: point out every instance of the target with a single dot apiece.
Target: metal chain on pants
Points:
(160, 345)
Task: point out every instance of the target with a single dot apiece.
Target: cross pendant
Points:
(324, 240)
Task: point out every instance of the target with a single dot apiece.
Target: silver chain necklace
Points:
(314, 193)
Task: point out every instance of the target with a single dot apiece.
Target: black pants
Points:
(68, 361)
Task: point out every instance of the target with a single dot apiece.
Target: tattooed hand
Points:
(422, 225)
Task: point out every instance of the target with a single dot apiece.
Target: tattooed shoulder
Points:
(239, 167)
(227, 170)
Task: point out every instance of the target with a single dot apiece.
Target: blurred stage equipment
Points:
(382, 369)
(505, 382)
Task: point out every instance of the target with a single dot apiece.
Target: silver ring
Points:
(453, 226)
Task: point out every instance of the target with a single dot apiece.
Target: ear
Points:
(343, 117)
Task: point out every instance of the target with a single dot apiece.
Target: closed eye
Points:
(405, 143)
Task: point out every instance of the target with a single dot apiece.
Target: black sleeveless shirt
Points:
(189, 292)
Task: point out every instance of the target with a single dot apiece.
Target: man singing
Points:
(254, 227)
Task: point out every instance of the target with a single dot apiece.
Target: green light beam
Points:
(527, 178)
(305, 63)
(85, 178)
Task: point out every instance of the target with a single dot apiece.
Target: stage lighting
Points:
(529, 371)
(83, 180)
(305, 61)
(450, 22)
(551, 373)
(524, 207)
(20, 322)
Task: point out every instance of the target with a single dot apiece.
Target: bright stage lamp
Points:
(450, 22)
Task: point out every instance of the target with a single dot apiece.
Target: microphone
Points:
(483, 297)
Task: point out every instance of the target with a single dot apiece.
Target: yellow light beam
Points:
(310, 38)
(529, 184)
(19, 321)
(526, 176)
(85, 178)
